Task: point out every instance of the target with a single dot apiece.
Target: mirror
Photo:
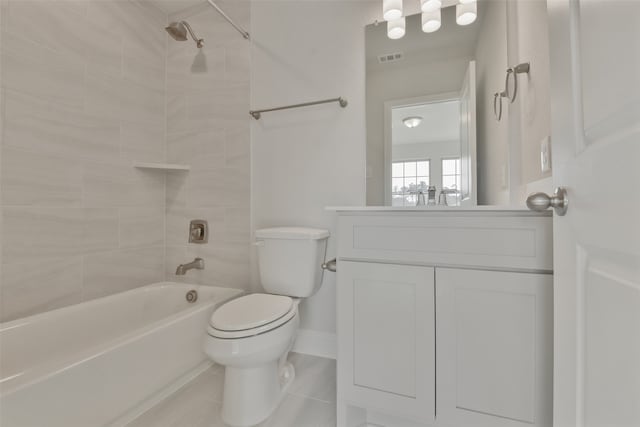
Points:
(430, 107)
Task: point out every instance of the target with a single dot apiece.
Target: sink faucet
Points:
(197, 264)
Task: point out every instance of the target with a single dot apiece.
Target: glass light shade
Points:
(466, 13)
(391, 9)
(412, 122)
(430, 5)
(396, 28)
(431, 21)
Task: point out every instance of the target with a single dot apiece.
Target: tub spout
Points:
(197, 264)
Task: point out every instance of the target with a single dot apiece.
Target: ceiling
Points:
(440, 123)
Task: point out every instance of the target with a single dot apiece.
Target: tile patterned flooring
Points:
(310, 402)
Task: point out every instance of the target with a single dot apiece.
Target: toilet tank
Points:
(290, 259)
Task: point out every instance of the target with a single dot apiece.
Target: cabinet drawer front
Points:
(386, 352)
(496, 241)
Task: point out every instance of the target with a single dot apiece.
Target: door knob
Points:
(541, 201)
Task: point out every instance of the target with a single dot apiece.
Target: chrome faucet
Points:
(197, 264)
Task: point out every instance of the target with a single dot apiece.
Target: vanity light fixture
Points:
(430, 5)
(391, 9)
(396, 28)
(466, 12)
(431, 21)
(412, 121)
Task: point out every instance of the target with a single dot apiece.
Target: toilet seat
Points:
(251, 315)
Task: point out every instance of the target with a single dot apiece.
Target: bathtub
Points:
(101, 362)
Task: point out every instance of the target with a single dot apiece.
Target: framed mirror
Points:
(430, 107)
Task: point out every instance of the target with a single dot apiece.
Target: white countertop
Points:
(439, 209)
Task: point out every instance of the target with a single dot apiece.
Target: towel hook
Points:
(512, 71)
(497, 112)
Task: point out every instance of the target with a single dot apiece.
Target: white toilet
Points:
(252, 335)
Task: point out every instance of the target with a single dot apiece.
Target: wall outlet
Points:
(545, 154)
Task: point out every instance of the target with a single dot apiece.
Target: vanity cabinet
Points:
(444, 319)
(388, 337)
(494, 348)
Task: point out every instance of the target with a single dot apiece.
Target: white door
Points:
(468, 185)
(595, 92)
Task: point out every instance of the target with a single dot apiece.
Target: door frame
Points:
(388, 136)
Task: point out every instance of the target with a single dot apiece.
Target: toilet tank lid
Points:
(299, 233)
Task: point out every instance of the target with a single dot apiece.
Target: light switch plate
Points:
(504, 177)
(545, 154)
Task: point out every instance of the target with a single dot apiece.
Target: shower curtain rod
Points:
(229, 20)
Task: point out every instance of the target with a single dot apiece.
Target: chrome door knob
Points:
(541, 201)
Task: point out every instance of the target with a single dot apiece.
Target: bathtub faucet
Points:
(197, 264)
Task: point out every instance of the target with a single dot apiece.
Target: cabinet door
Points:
(494, 348)
(386, 347)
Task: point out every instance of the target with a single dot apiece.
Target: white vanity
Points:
(445, 317)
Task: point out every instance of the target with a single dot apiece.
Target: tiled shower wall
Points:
(88, 86)
(83, 95)
(208, 128)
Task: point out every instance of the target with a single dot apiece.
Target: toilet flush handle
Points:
(331, 265)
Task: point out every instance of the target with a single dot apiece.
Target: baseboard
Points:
(316, 343)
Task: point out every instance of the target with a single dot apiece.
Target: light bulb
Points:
(431, 21)
(466, 13)
(430, 5)
(396, 28)
(412, 122)
(391, 9)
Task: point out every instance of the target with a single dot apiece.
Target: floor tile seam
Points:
(304, 396)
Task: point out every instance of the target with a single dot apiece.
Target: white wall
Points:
(306, 159)
(532, 109)
(492, 136)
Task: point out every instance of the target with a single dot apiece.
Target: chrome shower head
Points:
(178, 30)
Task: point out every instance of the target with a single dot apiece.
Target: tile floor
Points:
(310, 402)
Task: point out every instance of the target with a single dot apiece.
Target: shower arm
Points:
(229, 20)
(199, 42)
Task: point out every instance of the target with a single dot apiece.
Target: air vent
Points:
(390, 57)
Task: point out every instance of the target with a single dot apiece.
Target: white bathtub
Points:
(94, 363)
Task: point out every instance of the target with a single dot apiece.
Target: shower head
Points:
(178, 30)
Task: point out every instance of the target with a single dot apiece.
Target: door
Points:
(386, 348)
(468, 196)
(494, 344)
(595, 96)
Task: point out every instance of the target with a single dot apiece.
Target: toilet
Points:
(251, 336)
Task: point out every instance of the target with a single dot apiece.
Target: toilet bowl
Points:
(256, 372)
(251, 336)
